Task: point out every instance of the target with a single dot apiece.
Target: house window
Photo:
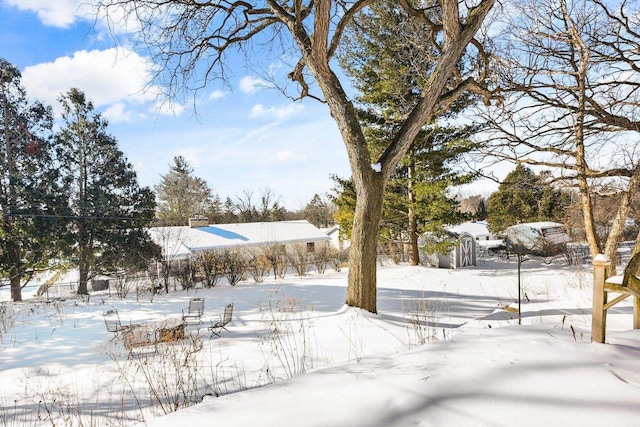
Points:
(311, 247)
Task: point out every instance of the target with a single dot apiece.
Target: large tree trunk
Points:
(588, 218)
(14, 252)
(581, 67)
(83, 264)
(83, 273)
(361, 291)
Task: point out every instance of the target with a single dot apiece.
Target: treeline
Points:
(182, 195)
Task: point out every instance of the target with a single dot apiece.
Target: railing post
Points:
(636, 312)
(598, 315)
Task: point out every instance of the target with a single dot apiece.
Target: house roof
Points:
(182, 241)
(475, 228)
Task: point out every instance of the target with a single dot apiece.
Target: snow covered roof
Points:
(542, 224)
(475, 228)
(182, 241)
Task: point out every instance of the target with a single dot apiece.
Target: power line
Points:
(57, 216)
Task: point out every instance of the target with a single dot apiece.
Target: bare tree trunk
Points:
(361, 291)
(588, 217)
(83, 273)
(15, 276)
(580, 65)
(611, 246)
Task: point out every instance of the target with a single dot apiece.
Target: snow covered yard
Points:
(445, 349)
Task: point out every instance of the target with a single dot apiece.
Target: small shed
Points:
(462, 255)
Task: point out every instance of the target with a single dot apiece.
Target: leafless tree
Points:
(267, 209)
(571, 101)
(188, 36)
(170, 241)
(322, 258)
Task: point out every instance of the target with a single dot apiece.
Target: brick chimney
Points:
(199, 221)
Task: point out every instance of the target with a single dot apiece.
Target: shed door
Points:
(466, 252)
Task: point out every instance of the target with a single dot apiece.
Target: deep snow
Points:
(477, 366)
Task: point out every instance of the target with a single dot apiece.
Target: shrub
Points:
(208, 266)
(234, 266)
(299, 258)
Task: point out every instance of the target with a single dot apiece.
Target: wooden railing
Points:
(625, 286)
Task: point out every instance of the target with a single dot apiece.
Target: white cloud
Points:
(251, 85)
(58, 13)
(65, 13)
(106, 76)
(114, 80)
(117, 113)
(194, 155)
(279, 113)
(217, 94)
(288, 155)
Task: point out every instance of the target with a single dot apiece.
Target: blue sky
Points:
(242, 137)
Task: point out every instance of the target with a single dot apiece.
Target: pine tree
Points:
(29, 201)
(109, 210)
(389, 64)
(344, 198)
(524, 196)
(318, 212)
(181, 195)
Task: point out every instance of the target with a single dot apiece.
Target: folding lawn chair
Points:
(195, 310)
(217, 327)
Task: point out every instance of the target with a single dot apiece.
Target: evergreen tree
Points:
(389, 64)
(215, 212)
(229, 212)
(109, 210)
(318, 212)
(29, 201)
(344, 198)
(181, 195)
(524, 196)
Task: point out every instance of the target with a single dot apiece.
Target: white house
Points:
(336, 242)
(184, 241)
(480, 232)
